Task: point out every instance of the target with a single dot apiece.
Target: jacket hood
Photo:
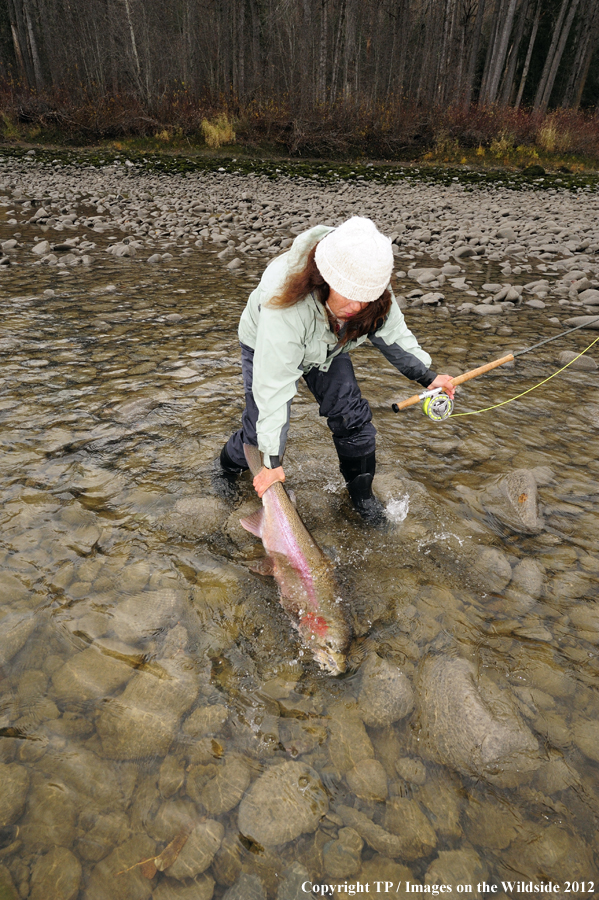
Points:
(304, 242)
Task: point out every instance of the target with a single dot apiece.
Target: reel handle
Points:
(459, 379)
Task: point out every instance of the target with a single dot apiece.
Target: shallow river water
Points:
(150, 681)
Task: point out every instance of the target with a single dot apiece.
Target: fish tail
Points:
(254, 458)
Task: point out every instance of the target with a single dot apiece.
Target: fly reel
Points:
(437, 407)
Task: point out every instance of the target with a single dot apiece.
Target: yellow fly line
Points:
(476, 412)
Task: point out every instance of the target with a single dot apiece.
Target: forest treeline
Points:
(394, 67)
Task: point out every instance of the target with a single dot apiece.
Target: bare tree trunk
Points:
(531, 43)
(337, 53)
(490, 54)
(241, 49)
(473, 54)
(504, 33)
(37, 68)
(133, 44)
(508, 81)
(557, 58)
(14, 30)
(550, 55)
(586, 42)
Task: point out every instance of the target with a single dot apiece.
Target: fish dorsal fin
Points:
(292, 497)
(253, 523)
(264, 566)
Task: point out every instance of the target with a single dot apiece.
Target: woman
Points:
(320, 299)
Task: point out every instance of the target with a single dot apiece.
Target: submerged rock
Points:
(139, 617)
(247, 887)
(471, 725)
(348, 742)
(405, 818)
(286, 801)
(513, 501)
(457, 867)
(386, 694)
(368, 780)
(56, 875)
(198, 851)
(15, 785)
(89, 675)
(341, 858)
(130, 884)
(144, 720)
(549, 852)
(201, 888)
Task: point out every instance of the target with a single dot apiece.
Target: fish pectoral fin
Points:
(292, 497)
(264, 566)
(253, 523)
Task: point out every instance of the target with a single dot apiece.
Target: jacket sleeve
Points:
(278, 356)
(397, 343)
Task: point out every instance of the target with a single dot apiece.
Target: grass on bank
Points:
(482, 137)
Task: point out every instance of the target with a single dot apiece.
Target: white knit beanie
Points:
(356, 260)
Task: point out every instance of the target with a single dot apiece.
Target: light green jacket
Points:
(289, 342)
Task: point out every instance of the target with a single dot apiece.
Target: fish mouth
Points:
(329, 660)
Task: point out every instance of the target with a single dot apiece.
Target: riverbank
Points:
(66, 209)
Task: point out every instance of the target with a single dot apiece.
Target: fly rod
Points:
(437, 405)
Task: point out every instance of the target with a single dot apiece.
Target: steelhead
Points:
(303, 573)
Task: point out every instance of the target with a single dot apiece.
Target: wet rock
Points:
(548, 853)
(490, 824)
(226, 789)
(15, 630)
(513, 501)
(368, 780)
(284, 802)
(348, 742)
(206, 720)
(143, 615)
(144, 720)
(173, 817)
(196, 517)
(89, 675)
(226, 866)
(105, 831)
(15, 785)
(385, 692)
(198, 851)
(12, 590)
(172, 776)
(376, 837)
(56, 875)
(454, 867)
(88, 776)
(555, 775)
(468, 723)
(380, 868)
(50, 817)
(201, 888)
(8, 890)
(291, 886)
(131, 884)
(248, 887)
(527, 577)
(442, 797)
(586, 738)
(411, 770)
(406, 819)
(493, 567)
(341, 858)
(582, 363)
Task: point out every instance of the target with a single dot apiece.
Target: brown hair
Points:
(309, 281)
